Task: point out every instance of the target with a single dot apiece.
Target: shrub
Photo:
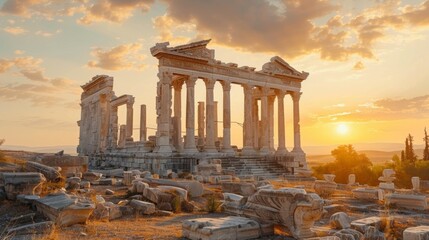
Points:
(212, 204)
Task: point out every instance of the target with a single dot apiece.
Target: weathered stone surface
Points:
(107, 211)
(129, 176)
(109, 192)
(85, 184)
(349, 234)
(91, 176)
(416, 233)
(226, 228)
(195, 188)
(64, 210)
(187, 206)
(23, 183)
(333, 208)
(241, 188)
(218, 179)
(163, 213)
(340, 220)
(408, 201)
(290, 207)
(372, 233)
(40, 229)
(362, 224)
(73, 183)
(182, 193)
(26, 199)
(371, 194)
(325, 188)
(139, 186)
(107, 181)
(207, 169)
(164, 206)
(146, 208)
(68, 164)
(50, 173)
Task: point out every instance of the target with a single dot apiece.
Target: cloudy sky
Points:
(368, 61)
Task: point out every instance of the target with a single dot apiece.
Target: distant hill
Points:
(68, 149)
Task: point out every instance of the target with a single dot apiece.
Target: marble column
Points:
(210, 140)
(177, 140)
(265, 120)
(122, 133)
(248, 129)
(281, 150)
(143, 129)
(271, 122)
(190, 115)
(226, 117)
(114, 127)
(163, 144)
(216, 137)
(129, 128)
(255, 118)
(201, 124)
(296, 127)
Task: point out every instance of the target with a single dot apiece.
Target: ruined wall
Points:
(95, 115)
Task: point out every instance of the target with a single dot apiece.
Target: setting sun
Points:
(342, 129)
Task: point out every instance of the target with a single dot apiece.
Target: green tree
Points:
(426, 150)
(402, 156)
(412, 157)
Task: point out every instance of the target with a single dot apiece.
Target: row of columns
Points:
(251, 121)
(126, 134)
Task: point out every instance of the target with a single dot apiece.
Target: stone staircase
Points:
(254, 166)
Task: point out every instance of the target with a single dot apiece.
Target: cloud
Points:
(14, 30)
(19, 52)
(380, 110)
(358, 66)
(34, 75)
(47, 34)
(293, 28)
(113, 10)
(122, 57)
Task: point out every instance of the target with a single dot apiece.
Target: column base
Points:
(210, 149)
(228, 150)
(190, 150)
(248, 151)
(164, 149)
(282, 151)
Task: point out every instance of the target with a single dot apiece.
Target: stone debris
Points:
(340, 220)
(109, 192)
(349, 234)
(26, 199)
(416, 233)
(327, 187)
(23, 183)
(68, 164)
(50, 173)
(107, 211)
(142, 207)
(64, 209)
(240, 188)
(372, 233)
(227, 228)
(195, 188)
(277, 207)
(369, 194)
(73, 183)
(407, 201)
(38, 230)
(362, 224)
(91, 176)
(182, 193)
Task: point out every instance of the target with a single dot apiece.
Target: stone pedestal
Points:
(416, 233)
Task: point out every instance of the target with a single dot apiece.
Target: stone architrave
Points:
(291, 207)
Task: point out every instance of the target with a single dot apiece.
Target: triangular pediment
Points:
(278, 66)
(195, 49)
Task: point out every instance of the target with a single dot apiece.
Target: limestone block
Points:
(226, 228)
(362, 224)
(218, 179)
(241, 188)
(387, 186)
(128, 178)
(99, 199)
(107, 181)
(114, 210)
(194, 188)
(416, 183)
(85, 184)
(349, 234)
(73, 183)
(146, 208)
(165, 206)
(209, 169)
(175, 190)
(340, 220)
(50, 173)
(325, 188)
(109, 192)
(351, 179)
(408, 201)
(372, 233)
(151, 194)
(23, 183)
(416, 233)
(371, 194)
(139, 186)
(329, 177)
(333, 208)
(232, 203)
(91, 176)
(163, 213)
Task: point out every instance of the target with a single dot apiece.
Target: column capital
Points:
(280, 93)
(165, 77)
(191, 80)
(177, 84)
(226, 85)
(295, 95)
(210, 82)
(247, 88)
(265, 91)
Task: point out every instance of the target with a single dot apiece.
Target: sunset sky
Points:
(368, 61)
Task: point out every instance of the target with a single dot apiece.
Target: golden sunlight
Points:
(342, 128)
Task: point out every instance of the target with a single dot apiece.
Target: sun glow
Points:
(342, 129)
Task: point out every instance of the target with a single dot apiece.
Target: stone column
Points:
(281, 150)
(201, 124)
(114, 127)
(129, 129)
(190, 115)
(271, 122)
(265, 121)
(296, 127)
(215, 121)
(163, 144)
(210, 140)
(177, 141)
(122, 133)
(255, 118)
(226, 117)
(248, 129)
(143, 129)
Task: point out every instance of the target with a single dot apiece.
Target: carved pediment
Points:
(196, 49)
(278, 66)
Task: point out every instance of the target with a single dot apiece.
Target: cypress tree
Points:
(426, 150)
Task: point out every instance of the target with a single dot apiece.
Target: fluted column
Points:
(226, 117)
(114, 127)
(177, 140)
(164, 113)
(281, 123)
(271, 122)
(265, 121)
(248, 131)
(210, 140)
(296, 127)
(190, 115)
(255, 118)
(201, 137)
(143, 129)
(129, 128)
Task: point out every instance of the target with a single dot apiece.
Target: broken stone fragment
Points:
(142, 207)
(416, 233)
(39, 229)
(340, 220)
(23, 183)
(50, 173)
(91, 176)
(109, 192)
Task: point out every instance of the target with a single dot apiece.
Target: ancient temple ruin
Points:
(103, 140)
